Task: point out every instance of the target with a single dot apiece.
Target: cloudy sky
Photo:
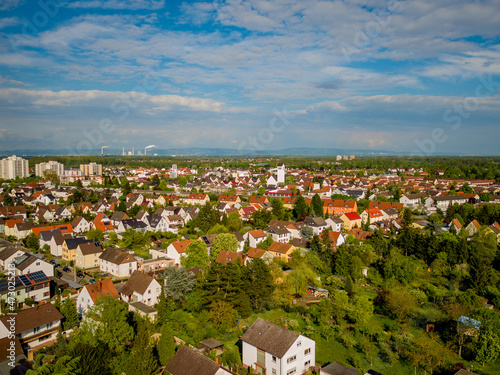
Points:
(419, 76)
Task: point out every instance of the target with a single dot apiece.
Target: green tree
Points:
(166, 345)
(107, 322)
(259, 283)
(488, 344)
(95, 234)
(141, 360)
(178, 283)
(32, 241)
(300, 207)
(224, 241)
(278, 208)
(68, 309)
(234, 222)
(196, 255)
(317, 205)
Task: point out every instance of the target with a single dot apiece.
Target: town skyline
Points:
(412, 77)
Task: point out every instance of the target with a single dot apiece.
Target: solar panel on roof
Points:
(25, 280)
(38, 276)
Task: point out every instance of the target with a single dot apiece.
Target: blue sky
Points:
(418, 76)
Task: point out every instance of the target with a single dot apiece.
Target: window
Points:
(273, 371)
(36, 329)
(292, 371)
(291, 359)
(306, 364)
(307, 351)
(274, 359)
(299, 343)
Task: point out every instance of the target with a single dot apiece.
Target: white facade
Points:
(51, 166)
(117, 270)
(280, 174)
(149, 297)
(13, 167)
(299, 357)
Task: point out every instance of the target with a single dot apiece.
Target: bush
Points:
(29, 301)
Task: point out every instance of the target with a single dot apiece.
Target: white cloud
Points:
(10, 4)
(117, 4)
(117, 100)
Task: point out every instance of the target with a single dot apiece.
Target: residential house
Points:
(34, 285)
(336, 237)
(443, 202)
(334, 223)
(226, 256)
(176, 250)
(188, 362)
(45, 237)
(117, 217)
(141, 287)
(271, 349)
(339, 206)
(281, 250)
(157, 265)
(157, 223)
(80, 225)
(117, 262)
(255, 253)
(133, 224)
(318, 224)
(28, 263)
(8, 252)
(22, 230)
(279, 234)
(495, 228)
(56, 243)
(257, 202)
(34, 327)
(197, 198)
(370, 215)
(336, 368)
(360, 234)
(456, 225)
(254, 237)
(11, 356)
(411, 200)
(91, 292)
(229, 199)
(351, 219)
(87, 255)
(69, 247)
(473, 227)
(385, 205)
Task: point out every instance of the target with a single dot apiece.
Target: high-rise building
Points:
(173, 171)
(13, 167)
(51, 166)
(91, 169)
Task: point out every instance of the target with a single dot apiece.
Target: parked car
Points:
(67, 269)
(92, 281)
(80, 274)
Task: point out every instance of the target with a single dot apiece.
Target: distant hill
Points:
(200, 151)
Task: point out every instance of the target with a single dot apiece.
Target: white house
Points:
(117, 262)
(141, 288)
(254, 237)
(278, 234)
(335, 223)
(91, 292)
(80, 225)
(176, 250)
(271, 349)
